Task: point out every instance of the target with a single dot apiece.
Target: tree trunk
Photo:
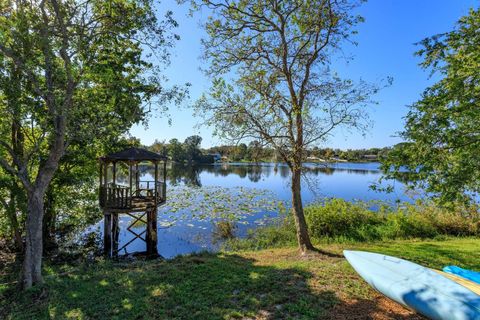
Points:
(297, 209)
(32, 264)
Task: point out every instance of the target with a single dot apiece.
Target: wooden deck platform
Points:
(137, 204)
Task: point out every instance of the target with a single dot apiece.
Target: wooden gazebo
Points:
(123, 191)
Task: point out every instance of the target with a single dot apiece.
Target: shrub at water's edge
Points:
(338, 220)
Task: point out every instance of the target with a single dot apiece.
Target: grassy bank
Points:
(340, 221)
(268, 284)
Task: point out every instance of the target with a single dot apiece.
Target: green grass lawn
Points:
(268, 284)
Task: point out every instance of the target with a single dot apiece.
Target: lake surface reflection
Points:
(198, 197)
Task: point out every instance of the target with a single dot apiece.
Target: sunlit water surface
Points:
(248, 195)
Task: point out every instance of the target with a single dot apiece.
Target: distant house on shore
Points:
(216, 156)
(370, 156)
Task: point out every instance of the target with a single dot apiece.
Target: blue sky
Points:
(386, 46)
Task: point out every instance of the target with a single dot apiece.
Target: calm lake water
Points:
(248, 195)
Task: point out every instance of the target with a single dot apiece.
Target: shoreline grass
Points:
(267, 284)
(341, 221)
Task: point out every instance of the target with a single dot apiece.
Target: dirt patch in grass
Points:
(378, 307)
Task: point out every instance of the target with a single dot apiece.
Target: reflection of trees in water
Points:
(283, 170)
(217, 170)
(146, 170)
(326, 170)
(363, 172)
(313, 183)
(123, 172)
(255, 173)
(241, 171)
(190, 175)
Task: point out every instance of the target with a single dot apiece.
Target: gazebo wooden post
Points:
(114, 234)
(101, 189)
(101, 174)
(156, 183)
(130, 177)
(164, 189)
(152, 250)
(107, 217)
(105, 173)
(107, 234)
(114, 173)
(137, 177)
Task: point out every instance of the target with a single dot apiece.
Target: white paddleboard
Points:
(416, 287)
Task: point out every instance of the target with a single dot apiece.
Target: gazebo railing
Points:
(149, 186)
(121, 197)
(115, 196)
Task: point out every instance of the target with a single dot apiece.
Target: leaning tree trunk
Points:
(32, 263)
(297, 209)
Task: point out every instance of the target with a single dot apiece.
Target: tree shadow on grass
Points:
(204, 286)
(207, 286)
(325, 253)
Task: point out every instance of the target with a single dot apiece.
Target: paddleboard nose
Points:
(348, 254)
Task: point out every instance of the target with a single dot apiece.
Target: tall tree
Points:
(192, 147)
(158, 146)
(255, 151)
(281, 90)
(175, 150)
(241, 151)
(441, 153)
(82, 72)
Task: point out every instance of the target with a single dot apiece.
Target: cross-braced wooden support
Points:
(148, 235)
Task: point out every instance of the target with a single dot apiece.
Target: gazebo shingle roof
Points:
(133, 154)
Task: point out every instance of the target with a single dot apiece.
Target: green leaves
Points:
(442, 128)
(76, 75)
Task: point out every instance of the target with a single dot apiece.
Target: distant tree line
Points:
(253, 152)
(190, 151)
(187, 151)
